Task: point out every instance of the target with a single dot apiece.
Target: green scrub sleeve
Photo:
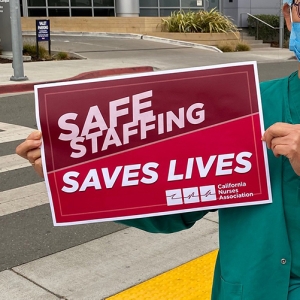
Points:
(167, 223)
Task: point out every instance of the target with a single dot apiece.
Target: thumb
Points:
(35, 135)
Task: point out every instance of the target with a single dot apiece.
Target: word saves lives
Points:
(133, 175)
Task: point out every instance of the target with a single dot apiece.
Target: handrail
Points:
(258, 19)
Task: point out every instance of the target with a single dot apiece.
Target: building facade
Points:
(236, 9)
(106, 8)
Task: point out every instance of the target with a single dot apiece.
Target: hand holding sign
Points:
(30, 150)
(284, 139)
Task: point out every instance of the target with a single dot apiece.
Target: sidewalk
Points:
(104, 267)
(54, 71)
(101, 268)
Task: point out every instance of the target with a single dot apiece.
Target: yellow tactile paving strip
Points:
(190, 281)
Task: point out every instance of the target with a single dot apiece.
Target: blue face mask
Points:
(295, 39)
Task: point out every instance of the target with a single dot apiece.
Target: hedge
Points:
(266, 33)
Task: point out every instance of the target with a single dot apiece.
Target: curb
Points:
(132, 36)
(180, 43)
(27, 87)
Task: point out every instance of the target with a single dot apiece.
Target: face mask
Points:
(295, 38)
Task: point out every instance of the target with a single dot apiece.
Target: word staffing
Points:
(100, 132)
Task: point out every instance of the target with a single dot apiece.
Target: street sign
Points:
(42, 34)
(43, 30)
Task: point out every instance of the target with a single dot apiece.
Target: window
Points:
(81, 12)
(81, 3)
(37, 12)
(148, 3)
(148, 12)
(104, 3)
(109, 12)
(167, 12)
(58, 3)
(36, 3)
(169, 3)
(59, 12)
(189, 3)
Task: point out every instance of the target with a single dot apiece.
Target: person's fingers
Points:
(279, 150)
(284, 139)
(33, 141)
(37, 165)
(279, 130)
(30, 150)
(291, 154)
(290, 143)
(27, 146)
(35, 135)
(33, 155)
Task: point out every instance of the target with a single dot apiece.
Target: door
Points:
(210, 4)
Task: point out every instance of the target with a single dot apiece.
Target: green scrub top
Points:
(259, 244)
(291, 202)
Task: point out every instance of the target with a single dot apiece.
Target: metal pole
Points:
(17, 45)
(221, 6)
(5, 31)
(127, 8)
(281, 26)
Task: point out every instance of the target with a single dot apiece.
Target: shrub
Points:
(226, 47)
(180, 21)
(214, 21)
(61, 56)
(203, 21)
(286, 43)
(242, 46)
(266, 33)
(233, 46)
(30, 49)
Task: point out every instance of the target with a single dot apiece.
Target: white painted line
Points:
(22, 198)
(12, 162)
(13, 132)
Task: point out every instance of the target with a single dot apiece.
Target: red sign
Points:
(153, 143)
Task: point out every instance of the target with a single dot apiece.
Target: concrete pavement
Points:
(49, 71)
(103, 267)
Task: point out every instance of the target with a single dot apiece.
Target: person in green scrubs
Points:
(259, 255)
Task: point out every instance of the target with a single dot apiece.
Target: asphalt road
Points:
(162, 56)
(29, 234)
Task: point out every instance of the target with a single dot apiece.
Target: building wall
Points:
(238, 9)
(106, 8)
(138, 25)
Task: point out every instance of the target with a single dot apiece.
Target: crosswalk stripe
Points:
(13, 132)
(23, 198)
(12, 162)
